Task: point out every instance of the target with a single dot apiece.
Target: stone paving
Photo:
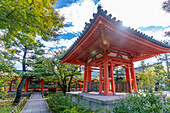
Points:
(97, 96)
(36, 104)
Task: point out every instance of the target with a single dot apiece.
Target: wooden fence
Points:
(120, 86)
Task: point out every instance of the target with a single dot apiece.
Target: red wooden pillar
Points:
(134, 78)
(80, 85)
(128, 78)
(42, 85)
(106, 77)
(56, 87)
(88, 78)
(112, 79)
(85, 79)
(100, 80)
(26, 85)
(76, 85)
(89, 75)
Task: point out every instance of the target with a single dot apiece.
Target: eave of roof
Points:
(116, 22)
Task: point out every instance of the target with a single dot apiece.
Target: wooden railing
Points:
(122, 86)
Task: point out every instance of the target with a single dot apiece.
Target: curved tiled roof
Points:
(103, 13)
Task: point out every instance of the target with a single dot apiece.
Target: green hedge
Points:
(148, 102)
(60, 103)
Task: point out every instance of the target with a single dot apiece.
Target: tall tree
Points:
(64, 72)
(166, 58)
(146, 78)
(22, 20)
(26, 56)
(160, 73)
(142, 67)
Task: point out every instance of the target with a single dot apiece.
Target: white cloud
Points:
(78, 13)
(150, 61)
(137, 13)
(66, 42)
(159, 35)
(133, 13)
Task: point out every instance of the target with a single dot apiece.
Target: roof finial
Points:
(99, 7)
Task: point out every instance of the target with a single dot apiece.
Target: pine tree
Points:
(25, 55)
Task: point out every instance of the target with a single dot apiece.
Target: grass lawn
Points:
(6, 108)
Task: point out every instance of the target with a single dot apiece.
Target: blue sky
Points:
(144, 15)
(67, 3)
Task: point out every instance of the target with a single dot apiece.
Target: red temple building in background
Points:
(41, 85)
(105, 44)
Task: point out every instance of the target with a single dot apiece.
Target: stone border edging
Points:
(18, 106)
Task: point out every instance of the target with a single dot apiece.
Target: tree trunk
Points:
(69, 84)
(167, 64)
(19, 89)
(63, 87)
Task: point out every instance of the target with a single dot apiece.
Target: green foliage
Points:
(4, 80)
(146, 78)
(153, 75)
(39, 68)
(159, 71)
(166, 59)
(6, 64)
(142, 67)
(22, 20)
(64, 72)
(60, 103)
(149, 102)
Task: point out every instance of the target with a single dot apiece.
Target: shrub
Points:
(60, 103)
(149, 102)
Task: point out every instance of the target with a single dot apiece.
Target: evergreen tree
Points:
(64, 72)
(166, 59)
(25, 55)
(142, 66)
